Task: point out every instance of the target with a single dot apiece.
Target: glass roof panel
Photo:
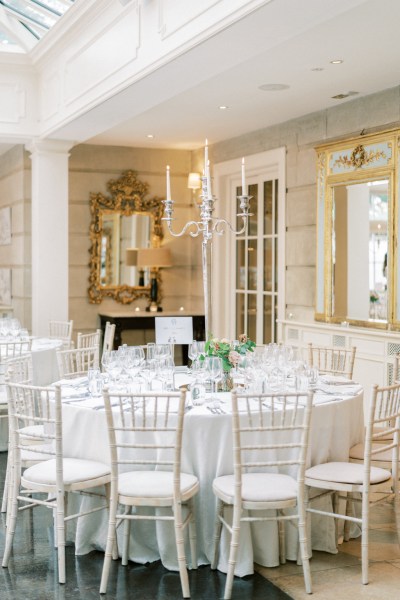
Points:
(33, 16)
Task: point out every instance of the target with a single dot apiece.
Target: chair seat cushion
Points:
(257, 487)
(343, 472)
(153, 484)
(75, 470)
(357, 452)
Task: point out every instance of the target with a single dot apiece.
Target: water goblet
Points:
(95, 382)
(213, 366)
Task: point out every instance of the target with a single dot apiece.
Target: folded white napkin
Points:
(336, 380)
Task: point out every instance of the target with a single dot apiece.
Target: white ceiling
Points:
(282, 42)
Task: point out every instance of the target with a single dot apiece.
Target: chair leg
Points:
(107, 488)
(282, 544)
(217, 533)
(233, 550)
(125, 539)
(60, 528)
(180, 548)
(364, 537)
(111, 537)
(192, 534)
(349, 513)
(12, 512)
(304, 546)
(7, 483)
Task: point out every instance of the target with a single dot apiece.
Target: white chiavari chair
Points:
(62, 330)
(18, 370)
(108, 342)
(270, 441)
(76, 362)
(332, 361)
(347, 480)
(145, 437)
(55, 475)
(88, 340)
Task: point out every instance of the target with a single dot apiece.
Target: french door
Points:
(249, 269)
(256, 301)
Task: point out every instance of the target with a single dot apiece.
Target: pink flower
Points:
(233, 357)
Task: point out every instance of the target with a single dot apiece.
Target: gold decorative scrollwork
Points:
(128, 196)
(359, 157)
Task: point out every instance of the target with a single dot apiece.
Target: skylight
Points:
(24, 22)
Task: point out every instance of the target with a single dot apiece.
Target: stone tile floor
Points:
(32, 572)
(338, 576)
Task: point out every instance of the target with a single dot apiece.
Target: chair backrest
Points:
(15, 348)
(108, 342)
(62, 330)
(76, 362)
(383, 426)
(333, 361)
(87, 340)
(270, 433)
(19, 369)
(145, 431)
(40, 407)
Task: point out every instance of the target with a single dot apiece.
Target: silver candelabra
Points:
(207, 225)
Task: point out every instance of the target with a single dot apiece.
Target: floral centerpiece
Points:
(229, 352)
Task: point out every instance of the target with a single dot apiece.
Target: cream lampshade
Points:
(155, 258)
(194, 181)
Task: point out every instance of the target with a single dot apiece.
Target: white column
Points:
(49, 233)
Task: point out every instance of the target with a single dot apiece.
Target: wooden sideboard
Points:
(145, 321)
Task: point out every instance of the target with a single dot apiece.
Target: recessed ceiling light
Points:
(223, 107)
(337, 61)
(150, 136)
(273, 87)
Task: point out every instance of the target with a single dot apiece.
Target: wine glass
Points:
(193, 351)
(213, 366)
(166, 372)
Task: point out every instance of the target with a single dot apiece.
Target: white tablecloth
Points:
(45, 371)
(207, 453)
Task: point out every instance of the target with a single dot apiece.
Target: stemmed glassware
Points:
(213, 366)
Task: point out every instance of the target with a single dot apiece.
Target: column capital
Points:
(38, 146)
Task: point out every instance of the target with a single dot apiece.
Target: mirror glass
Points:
(125, 219)
(360, 250)
(118, 233)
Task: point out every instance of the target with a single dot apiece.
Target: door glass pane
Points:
(239, 314)
(252, 317)
(253, 191)
(268, 213)
(252, 254)
(275, 282)
(267, 333)
(241, 265)
(268, 272)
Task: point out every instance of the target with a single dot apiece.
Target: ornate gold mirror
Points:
(357, 225)
(126, 219)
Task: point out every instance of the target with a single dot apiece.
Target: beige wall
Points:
(91, 167)
(15, 192)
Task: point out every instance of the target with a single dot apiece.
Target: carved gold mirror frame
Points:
(128, 196)
(342, 166)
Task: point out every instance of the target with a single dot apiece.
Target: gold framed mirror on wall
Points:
(122, 223)
(357, 226)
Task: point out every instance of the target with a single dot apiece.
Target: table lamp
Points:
(131, 260)
(155, 258)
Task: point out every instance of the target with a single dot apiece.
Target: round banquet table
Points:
(207, 452)
(44, 372)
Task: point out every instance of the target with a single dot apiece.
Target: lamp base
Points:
(153, 308)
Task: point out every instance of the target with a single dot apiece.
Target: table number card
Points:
(174, 330)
